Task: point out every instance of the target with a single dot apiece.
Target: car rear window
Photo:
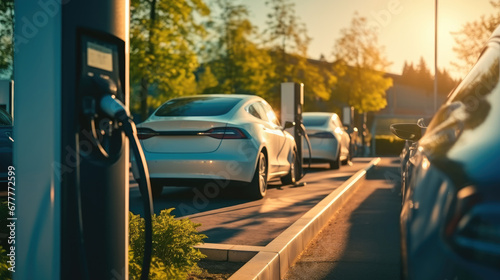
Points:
(197, 106)
(315, 120)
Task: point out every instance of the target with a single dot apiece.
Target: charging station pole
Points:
(71, 162)
(292, 102)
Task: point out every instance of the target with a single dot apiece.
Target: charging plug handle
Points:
(114, 108)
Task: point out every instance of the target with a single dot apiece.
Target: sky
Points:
(405, 27)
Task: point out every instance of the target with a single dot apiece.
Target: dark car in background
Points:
(450, 218)
(6, 147)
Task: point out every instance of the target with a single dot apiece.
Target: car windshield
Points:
(315, 120)
(471, 96)
(197, 106)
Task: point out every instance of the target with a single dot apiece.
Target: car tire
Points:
(156, 189)
(291, 177)
(257, 188)
(346, 160)
(335, 164)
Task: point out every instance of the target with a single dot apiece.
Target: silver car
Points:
(329, 140)
(217, 140)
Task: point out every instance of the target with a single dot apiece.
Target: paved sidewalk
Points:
(361, 241)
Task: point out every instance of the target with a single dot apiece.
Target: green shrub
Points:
(388, 145)
(5, 274)
(173, 253)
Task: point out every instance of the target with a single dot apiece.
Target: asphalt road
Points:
(362, 239)
(228, 218)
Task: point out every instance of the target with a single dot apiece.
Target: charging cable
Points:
(303, 130)
(115, 109)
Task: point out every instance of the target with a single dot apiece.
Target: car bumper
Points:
(233, 161)
(321, 149)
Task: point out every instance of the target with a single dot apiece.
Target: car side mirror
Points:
(289, 124)
(421, 123)
(407, 131)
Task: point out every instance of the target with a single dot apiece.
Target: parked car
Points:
(218, 138)
(330, 142)
(450, 219)
(6, 147)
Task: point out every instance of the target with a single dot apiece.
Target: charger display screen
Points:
(99, 57)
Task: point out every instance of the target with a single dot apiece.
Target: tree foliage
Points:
(420, 77)
(239, 65)
(470, 40)
(361, 67)
(6, 37)
(163, 49)
(287, 42)
(285, 35)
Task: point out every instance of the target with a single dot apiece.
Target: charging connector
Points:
(114, 108)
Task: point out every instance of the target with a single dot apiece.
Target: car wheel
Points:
(156, 189)
(291, 177)
(346, 160)
(257, 189)
(335, 164)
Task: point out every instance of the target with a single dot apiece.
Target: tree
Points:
(361, 66)
(237, 62)
(445, 82)
(420, 77)
(163, 49)
(285, 35)
(6, 37)
(287, 41)
(206, 80)
(408, 75)
(424, 76)
(471, 38)
(319, 80)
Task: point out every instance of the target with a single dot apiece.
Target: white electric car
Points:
(215, 140)
(329, 140)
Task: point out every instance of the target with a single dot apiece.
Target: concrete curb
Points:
(229, 253)
(274, 260)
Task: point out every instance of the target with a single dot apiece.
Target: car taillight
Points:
(145, 133)
(225, 133)
(475, 230)
(322, 135)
